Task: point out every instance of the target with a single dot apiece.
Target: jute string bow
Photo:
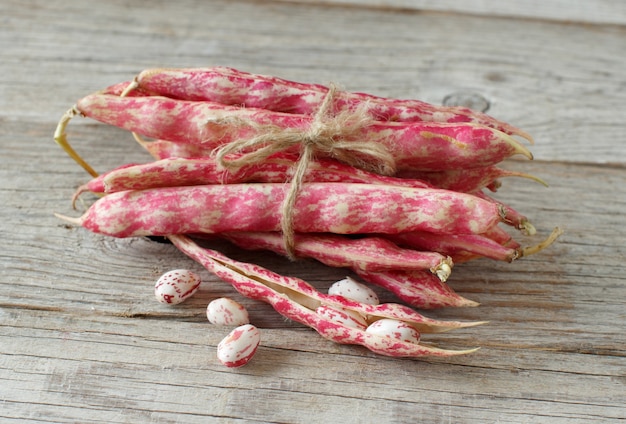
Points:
(327, 135)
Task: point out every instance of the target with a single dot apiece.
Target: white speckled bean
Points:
(236, 349)
(342, 316)
(175, 286)
(353, 290)
(394, 329)
(225, 311)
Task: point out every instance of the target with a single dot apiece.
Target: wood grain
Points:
(582, 11)
(83, 340)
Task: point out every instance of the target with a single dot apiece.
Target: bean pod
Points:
(298, 301)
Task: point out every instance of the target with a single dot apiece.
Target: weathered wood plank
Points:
(158, 370)
(83, 340)
(585, 11)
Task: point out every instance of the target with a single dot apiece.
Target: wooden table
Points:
(82, 338)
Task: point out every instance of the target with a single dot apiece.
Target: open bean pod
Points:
(297, 300)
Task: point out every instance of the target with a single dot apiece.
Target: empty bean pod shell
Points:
(225, 311)
(353, 290)
(175, 286)
(236, 349)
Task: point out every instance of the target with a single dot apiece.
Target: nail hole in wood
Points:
(467, 99)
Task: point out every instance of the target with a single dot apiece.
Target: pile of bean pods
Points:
(394, 190)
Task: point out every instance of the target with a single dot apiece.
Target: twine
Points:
(327, 134)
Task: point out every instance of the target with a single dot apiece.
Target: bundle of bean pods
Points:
(394, 190)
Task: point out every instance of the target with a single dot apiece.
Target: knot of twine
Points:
(331, 135)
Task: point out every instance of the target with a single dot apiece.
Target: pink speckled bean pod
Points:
(419, 288)
(170, 164)
(320, 207)
(451, 244)
(426, 146)
(365, 253)
(493, 244)
(163, 149)
(233, 87)
(179, 171)
(467, 180)
(171, 172)
(512, 216)
(174, 172)
(472, 180)
(120, 87)
(496, 234)
(297, 300)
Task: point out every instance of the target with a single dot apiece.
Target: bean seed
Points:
(176, 286)
(394, 329)
(225, 311)
(353, 290)
(236, 349)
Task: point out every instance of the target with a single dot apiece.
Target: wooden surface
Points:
(82, 338)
